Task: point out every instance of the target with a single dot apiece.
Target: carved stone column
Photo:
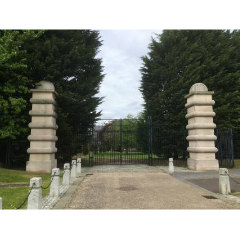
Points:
(43, 129)
(201, 129)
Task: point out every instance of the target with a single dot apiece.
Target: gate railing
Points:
(117, 142)
(146, 144)
(225, 146)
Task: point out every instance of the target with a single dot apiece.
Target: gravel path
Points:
(140, 187)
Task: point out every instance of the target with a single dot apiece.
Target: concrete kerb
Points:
(66, 198)
(0, 203)
(49, 202)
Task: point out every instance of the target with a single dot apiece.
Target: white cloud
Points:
(121, 53)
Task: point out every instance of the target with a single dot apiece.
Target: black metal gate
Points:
(134, 141)
(224, 144)
(120, 141)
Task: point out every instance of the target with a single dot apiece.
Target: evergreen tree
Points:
(68, 59)
(179, 58)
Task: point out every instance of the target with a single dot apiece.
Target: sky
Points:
(121, 54)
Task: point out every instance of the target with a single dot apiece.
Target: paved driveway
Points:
(140, 187)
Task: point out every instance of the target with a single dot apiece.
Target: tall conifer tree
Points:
(66, 58)
(179, 58)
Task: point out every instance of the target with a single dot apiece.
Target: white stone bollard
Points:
(0, 203)
(55, 184)
(35, 196)
(74, 169)
(224, 183)
(66, 174)
(171, 167)
(79, 167)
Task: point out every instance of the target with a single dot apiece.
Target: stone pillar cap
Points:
(66, 166)
(55, 171)
(198, 87)
(74, 162)
(36, 182)
(79, 160)
(45, 85)
(170, 159)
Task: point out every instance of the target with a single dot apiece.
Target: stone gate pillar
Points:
(200, 128)
(43, 129)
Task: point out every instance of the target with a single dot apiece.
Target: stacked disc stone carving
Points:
(200, 128)
(43, 129)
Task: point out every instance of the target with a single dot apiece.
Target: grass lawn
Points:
(12, 197)
(116, 155)
(236, 163)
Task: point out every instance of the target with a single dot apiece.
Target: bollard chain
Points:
(54, 175)
(26, 197)
(233, 179)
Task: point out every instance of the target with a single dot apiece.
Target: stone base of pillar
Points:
(41, 166)
(203, 165)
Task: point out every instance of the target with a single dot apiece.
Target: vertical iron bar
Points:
(149, 141)
(120, 141)
(114, 146)
(232, 150)
(110, 146)
(148, 133)
(151, 138)
(130, 149)
(88, 146)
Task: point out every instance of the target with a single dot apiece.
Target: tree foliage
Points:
(179, 58)
(14, 83)
(122, 134)
(66, 58)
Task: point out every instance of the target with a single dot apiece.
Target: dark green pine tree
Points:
(68, 59)
(179, 58)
